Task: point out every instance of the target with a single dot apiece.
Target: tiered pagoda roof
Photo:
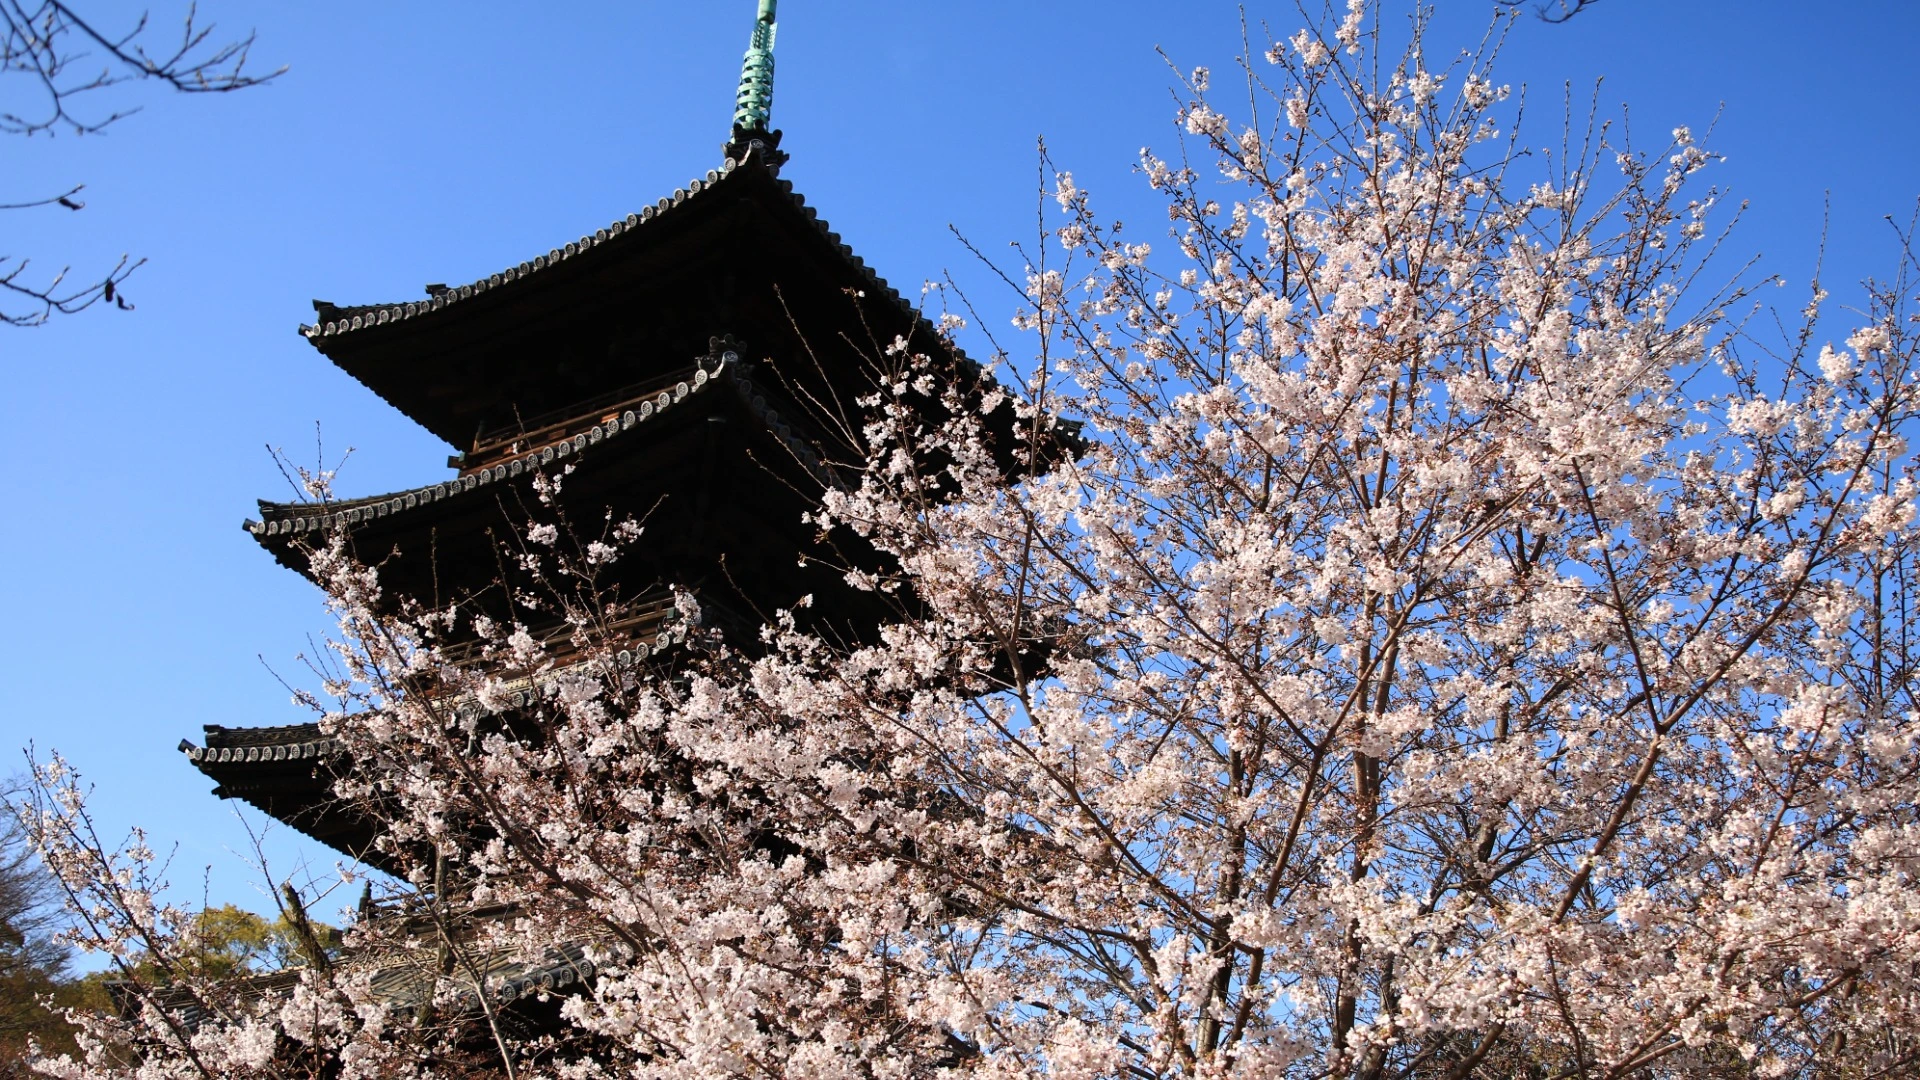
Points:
(696, 365)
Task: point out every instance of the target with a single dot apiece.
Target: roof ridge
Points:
(521, 693)
(283, 519)
(350, 318)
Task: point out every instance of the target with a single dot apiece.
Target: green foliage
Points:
(33, 967)
(37, 986)
(228, 940)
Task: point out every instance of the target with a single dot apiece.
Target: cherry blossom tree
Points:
(1460, 645)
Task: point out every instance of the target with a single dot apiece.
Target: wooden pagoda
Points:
(696, 364)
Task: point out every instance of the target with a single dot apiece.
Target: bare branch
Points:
(56, 49)
(33, 302)
(1560, 11)
(66, 60)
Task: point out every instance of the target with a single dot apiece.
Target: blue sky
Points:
(438, 142)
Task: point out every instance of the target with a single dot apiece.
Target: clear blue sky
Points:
(439, 142)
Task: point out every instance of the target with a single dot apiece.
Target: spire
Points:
(755, 101)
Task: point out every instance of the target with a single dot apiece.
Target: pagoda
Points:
(696, 364)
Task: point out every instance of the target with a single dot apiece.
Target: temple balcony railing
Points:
(645, 623)
(506, 442)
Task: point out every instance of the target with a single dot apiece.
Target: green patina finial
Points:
(755, 103)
